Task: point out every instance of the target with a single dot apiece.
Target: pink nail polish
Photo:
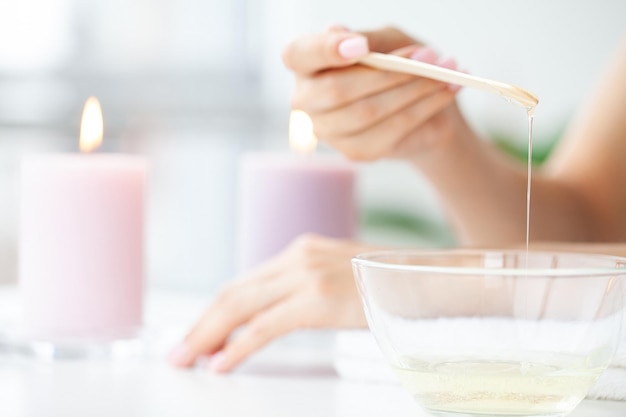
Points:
(354, 47)
(217, 363)
(448, 63)
(426, 55)
(338, 28)
(179, 355)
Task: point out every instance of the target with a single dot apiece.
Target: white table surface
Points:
(292, 377)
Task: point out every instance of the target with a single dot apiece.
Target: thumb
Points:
(312, 53)
(388, 39)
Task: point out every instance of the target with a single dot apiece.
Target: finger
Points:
(337, 88)
(277, 321)
(338, 47)
(450, 64)
(337, 28)
(381, 139)
(312, 53)
(366, 113)
(362, 114)
(234, 306)
(388, 39)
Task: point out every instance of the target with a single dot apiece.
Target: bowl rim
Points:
(365, 260)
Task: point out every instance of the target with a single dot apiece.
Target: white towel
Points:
(358, 358)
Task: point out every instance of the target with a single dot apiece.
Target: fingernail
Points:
(447, 63)
(353, 47)
(450, 63)
(217, 363)
(338, 28)
(425, 54)
(179, 356)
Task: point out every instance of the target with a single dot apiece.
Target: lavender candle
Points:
(282, 196)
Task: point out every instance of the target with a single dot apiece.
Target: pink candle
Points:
(283, 196)
(81, 247)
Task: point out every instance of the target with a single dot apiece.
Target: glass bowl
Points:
(494, 332)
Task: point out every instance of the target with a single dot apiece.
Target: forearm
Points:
(485, 192)
(590, 156)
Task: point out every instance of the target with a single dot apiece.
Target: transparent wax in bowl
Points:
(494, 333)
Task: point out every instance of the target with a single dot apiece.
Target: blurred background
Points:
(193, 84)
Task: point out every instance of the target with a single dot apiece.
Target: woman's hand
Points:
(308, 285)
(366, 113)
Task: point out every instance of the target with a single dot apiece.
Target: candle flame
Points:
(301, 136)
(91, 126)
